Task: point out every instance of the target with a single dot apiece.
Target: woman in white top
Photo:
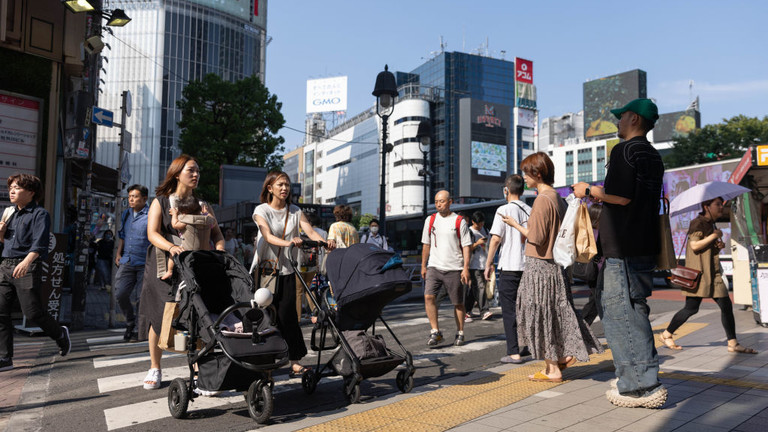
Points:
(279, 223)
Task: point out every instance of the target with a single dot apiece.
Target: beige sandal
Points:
(741, 349)
(669, 342)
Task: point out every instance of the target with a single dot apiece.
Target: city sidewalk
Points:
(710, 389)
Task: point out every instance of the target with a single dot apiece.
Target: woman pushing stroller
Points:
(279, 223)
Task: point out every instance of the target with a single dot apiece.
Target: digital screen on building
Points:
(677, 124)
(604, 94)
(246, 10)
(488, 160)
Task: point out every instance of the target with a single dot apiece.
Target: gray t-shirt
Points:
(276, 221)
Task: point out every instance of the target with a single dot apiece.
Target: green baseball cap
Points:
(643, 107)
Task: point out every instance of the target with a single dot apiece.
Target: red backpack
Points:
(458, 225)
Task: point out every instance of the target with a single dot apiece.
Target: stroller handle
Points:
(310, 244)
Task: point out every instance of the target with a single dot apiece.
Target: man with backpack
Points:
(373, 236)
(445, 263)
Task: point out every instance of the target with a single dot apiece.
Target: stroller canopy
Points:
(361, 271)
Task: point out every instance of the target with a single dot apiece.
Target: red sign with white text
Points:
(523, 70)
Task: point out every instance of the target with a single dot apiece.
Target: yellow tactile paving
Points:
(451, 406)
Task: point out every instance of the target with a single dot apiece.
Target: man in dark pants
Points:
(131, 254)
(26, 237)
(511, 260)
(629, 239)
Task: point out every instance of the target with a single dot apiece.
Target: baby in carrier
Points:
(194, 228)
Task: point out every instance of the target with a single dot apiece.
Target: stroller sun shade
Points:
(356, 273)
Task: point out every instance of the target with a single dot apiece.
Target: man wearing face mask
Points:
(373, 236)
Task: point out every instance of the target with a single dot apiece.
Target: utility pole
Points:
(125, 112)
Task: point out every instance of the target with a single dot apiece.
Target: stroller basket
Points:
(369, 368)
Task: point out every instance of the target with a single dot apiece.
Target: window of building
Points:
(585, 165)
(600, 162)
(569, 168)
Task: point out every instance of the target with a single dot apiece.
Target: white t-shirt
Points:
(512, 250)
(445, 252)
(477, 260)
(276, 222)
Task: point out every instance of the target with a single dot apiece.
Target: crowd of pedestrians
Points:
(457, 261)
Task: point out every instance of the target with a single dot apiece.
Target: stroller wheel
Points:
(178, 398)
(260, 402)
(351, 390)
(308, 382)
(404, 381)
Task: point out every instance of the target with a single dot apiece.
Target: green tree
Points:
(725, 140)
(364, 220)
(229, 123)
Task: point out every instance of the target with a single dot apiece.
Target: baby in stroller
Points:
(194, 226)
(214, 287)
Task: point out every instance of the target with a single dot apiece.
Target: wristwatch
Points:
(586, 191)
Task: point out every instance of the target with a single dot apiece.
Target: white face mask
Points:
(374, 230)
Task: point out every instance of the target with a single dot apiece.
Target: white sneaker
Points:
(650, 399)
(487, 315)
(153, 379)
(468, 318)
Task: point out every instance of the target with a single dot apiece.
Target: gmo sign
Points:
(326, 102)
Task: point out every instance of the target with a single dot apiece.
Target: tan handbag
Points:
(586, 246)
(490, 285)
(666, 258)
(167, 332)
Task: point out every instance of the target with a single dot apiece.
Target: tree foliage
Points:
(726, 140)
(229, 123)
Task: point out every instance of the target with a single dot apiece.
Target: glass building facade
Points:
(453, 76)
(174, 42)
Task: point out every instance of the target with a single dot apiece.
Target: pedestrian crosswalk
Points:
(126, 366)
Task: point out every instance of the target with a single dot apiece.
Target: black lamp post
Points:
(424, 134)
(385, 92)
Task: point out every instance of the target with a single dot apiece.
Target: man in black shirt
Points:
(629, 237)
(26, 246)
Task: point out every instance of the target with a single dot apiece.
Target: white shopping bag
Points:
(564, 250)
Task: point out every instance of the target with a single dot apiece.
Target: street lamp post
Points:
(424, 135)
(385, 92)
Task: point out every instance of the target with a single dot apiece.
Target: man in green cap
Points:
(629, 237)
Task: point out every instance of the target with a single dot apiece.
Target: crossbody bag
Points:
(269, 270)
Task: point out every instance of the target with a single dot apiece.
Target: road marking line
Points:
(143, 344)
(103, 339)
(120, 360)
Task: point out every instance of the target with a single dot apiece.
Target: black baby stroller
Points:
(363, 279)
(215, 288)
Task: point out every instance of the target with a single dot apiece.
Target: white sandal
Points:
(153, 379)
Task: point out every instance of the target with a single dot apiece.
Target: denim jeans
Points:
(127, 279)
(626, 284)
(104, 272)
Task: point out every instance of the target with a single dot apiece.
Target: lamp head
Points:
(118, 18)
(424, 135)
(385, 89)
(77, 6)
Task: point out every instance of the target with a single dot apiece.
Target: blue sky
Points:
(720, 45)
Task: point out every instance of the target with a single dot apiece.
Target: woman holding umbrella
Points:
(702, 253)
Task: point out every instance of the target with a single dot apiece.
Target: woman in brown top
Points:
(702, 253)
(547, 321)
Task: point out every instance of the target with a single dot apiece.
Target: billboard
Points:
(484, 139)
(604, 94)
(254, 11)
(525, 92)
(676, 124)
(327, 94)
(20, 123)
(526, 118)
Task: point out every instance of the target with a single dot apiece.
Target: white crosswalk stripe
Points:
(143, 412)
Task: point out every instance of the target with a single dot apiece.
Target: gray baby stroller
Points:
(215, 288)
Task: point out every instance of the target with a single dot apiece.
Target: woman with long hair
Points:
(181, 180)
(547, 321)
(702, 253)
(279, 223)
